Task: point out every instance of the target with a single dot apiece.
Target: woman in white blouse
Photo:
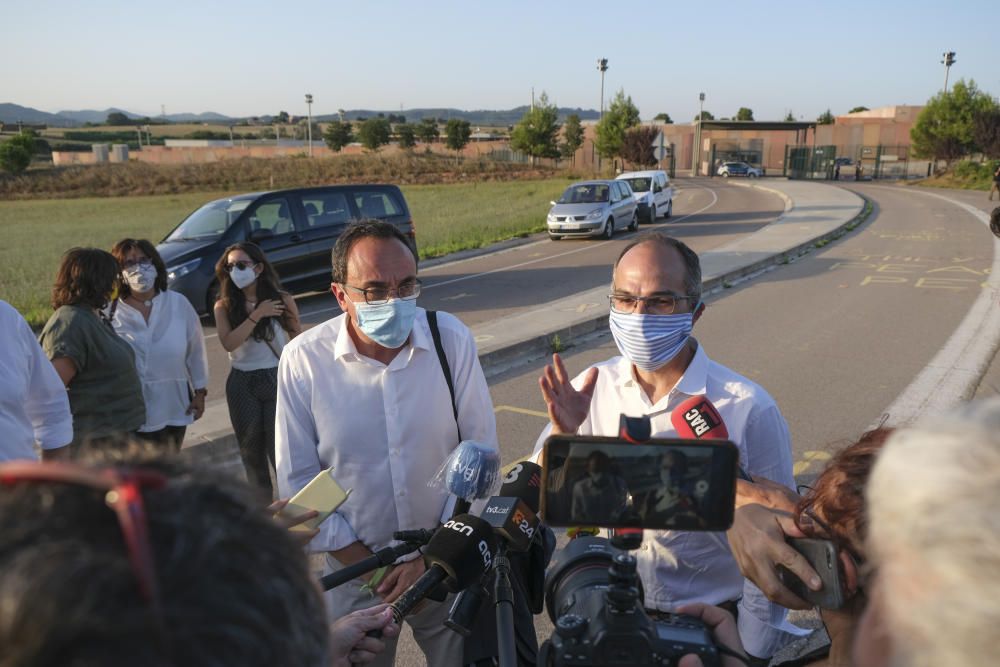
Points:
(165, 332)
(255, 319)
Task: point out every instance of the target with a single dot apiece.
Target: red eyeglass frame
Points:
(123, 488)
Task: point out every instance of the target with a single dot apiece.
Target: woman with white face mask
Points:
(165, 333)
(255, 319)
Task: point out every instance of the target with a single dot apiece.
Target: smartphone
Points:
(823, 557)
(663, 484)
(322, 494)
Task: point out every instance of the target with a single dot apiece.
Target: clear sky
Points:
(254, 57)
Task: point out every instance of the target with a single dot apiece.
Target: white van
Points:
(654, 195)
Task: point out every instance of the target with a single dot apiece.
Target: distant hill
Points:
(92, 115)
(476, 117)
(206, 117)
(11, 113)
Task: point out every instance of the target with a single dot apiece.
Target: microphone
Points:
(513, 513)
(697, 418)
(459, 553)
(471, 472)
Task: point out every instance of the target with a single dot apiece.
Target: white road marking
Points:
(953, 374)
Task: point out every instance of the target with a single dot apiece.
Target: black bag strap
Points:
(432, 321)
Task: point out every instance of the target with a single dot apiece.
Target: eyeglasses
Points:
(657, 304)
(242, 266)
(376, 296)
(123, 494)
(132, 263)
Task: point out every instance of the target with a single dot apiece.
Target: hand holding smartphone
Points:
(824, 559)
(322, 494)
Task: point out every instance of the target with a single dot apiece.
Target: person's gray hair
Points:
(692, 265)
(935, 539)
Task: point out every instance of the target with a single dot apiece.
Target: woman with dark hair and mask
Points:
(165, 334)
(255, 319)
(95, 364)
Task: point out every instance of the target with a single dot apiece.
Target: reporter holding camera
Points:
(655, 301)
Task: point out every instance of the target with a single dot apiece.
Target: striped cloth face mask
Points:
(650, 341)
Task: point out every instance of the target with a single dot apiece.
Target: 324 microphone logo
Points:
(522, 523)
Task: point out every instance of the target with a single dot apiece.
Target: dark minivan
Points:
(297, 229)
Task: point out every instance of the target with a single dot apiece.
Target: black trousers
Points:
(168, 438)
(252, 396)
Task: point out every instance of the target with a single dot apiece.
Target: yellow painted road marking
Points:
(521, 411)
(807, 460)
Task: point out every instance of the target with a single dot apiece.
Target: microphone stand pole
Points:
(380, 558)
(503, 593)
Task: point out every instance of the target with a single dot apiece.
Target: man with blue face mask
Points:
(655, 301)
(365, 393)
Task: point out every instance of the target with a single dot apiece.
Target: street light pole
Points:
(602, 66)
(309, 126)
(948, 61)
(701, 114)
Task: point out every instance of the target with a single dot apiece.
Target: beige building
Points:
(876, 137)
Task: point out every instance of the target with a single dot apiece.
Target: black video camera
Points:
(592, 591)
(594, 598)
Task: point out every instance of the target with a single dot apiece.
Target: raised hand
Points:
(567, 407)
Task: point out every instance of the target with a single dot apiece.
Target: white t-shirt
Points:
(34, 406)
(169, 357)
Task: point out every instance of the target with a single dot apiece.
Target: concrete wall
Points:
(214, 153)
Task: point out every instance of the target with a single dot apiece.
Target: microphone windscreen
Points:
(698, 418)
(472, 470)
(464, 548)
(524, 481)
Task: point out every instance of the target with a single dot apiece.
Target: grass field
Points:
(37, 232)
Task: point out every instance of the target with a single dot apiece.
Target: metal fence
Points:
(853, 162)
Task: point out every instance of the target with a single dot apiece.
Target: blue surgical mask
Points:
(650, 341)
(388, 324)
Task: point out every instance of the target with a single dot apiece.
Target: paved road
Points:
(488, 286)
(835, 337)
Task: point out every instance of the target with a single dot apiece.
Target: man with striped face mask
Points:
(655, 301)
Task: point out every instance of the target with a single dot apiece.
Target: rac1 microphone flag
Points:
(697, 418)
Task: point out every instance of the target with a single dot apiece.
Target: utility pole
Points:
(602, 67)
(948, 61)
(309, 127)
(697, 153)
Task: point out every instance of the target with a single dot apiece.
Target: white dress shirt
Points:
(386, 430)
(169, 357)
(678, 567)
(34, 406)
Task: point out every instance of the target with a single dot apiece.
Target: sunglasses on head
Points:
(123, 494)
(242, 266)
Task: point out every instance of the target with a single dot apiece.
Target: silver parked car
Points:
(593, 208)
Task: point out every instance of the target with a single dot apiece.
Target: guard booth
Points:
(810, 162)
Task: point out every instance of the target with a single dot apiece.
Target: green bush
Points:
(14, 157)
